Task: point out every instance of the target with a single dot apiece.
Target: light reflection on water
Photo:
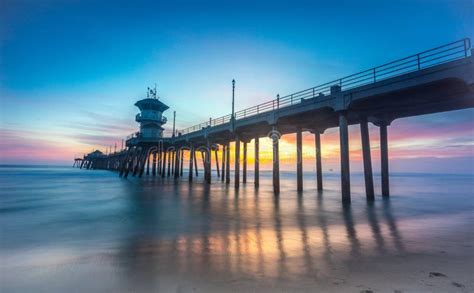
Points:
(148, 228)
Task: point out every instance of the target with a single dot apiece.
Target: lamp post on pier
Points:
(233, 103)
(174, 123)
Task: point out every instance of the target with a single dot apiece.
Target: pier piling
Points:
(384, 159)
(237, 162)
(191, 160)
(217, 163)
(227, 163)
(195, 163)
(299, 160)
(344, 152)
(182, 163)
(257, 163)
(244, 167)
(276, 162)
(369, 181)
(153, 168)
(319, 169)
(176, 163)
(223, 162)
(163, 169)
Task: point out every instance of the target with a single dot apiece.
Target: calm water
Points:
(65, 228)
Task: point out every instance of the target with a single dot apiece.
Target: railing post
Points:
(374, 75)
(418, 60)
(278, 101)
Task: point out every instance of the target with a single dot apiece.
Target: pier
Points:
(437, 80)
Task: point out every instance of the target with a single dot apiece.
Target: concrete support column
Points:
(170, 158)
(158, 163)
(276, 162)
(203, 158)
(148, 164)
(257, 163)
(176, 163)
(145, 158)
(182, 163)
(319, 169)
(345, 171)
(173, 161)
(163, 168)
(369, 181)
(217, 163)
(191, 160)
(195, 164)
(227, 163)
(244, 171)
(384, 159)
(223, 162)
(137, 163)
(299, 160)
(153, 167)
(237, 162)
(208, 162)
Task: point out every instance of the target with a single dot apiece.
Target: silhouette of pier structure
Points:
(437, 80)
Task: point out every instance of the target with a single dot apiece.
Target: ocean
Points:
(67, 229)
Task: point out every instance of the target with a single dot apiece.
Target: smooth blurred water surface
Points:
(91, 230)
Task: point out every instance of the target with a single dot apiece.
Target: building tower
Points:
(151, 116)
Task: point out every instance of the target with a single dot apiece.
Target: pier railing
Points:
(439, 55)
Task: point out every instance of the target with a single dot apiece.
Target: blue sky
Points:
(70, 71)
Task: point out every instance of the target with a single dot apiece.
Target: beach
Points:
(65, 229)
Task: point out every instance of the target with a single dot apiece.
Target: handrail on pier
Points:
(435, 56)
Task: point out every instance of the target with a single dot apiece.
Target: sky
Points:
(70, 71)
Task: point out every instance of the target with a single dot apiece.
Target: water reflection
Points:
(196, 230)
(121, 235)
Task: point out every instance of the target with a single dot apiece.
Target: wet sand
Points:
(153, 235)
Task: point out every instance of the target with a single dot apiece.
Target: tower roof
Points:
(151, 104)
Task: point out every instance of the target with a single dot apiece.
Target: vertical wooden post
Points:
(319, 169)
(227, 163)
(237, 162)
(244, 171)
(369, 181)
(299, 160)
(345, 171)
(384, 159)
